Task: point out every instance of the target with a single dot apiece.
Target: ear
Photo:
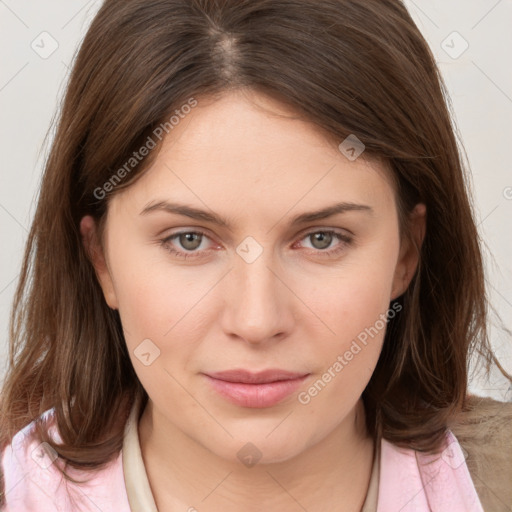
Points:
(95, 252)
(409, 251)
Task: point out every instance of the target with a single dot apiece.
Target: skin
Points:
(250, 159)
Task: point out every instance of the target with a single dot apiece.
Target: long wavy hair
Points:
(350, 67)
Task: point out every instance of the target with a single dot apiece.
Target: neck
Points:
(331, 474)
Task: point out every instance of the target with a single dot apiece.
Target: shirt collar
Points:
(136, 480)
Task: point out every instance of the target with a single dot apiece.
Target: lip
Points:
(257, 390)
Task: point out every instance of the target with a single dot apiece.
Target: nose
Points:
(258, 304)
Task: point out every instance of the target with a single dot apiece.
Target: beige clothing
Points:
(485, 432)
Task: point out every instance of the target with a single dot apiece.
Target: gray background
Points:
(479, 81)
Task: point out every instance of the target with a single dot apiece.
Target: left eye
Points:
(191, 241)
(323, 238)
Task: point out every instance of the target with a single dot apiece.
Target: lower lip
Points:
(256, 395)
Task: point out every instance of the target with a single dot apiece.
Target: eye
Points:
(321, 240)
(191, 241)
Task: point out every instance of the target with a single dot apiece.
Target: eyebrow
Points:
(203, 215)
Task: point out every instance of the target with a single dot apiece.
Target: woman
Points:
(255, 272)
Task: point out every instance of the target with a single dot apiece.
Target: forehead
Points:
(247, 150)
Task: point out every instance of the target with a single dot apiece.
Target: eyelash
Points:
(345, 239)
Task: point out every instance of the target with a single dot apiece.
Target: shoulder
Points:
(21, 461)
(33, 479)
(485, 435)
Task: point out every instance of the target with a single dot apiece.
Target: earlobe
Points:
(96, 255)
(408, 259)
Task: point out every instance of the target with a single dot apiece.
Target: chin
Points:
(260, 447)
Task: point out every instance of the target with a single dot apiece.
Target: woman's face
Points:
(267, 289)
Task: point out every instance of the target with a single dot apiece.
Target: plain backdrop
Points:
(469, 38)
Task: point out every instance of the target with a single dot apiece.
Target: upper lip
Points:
(262, 377)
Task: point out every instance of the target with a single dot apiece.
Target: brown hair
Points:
(350, 67)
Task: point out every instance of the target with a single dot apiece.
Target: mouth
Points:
(255, 390)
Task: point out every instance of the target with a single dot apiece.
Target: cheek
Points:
(163, 303)
(347, 360)
(363, 302)
(361, 291)
(355, 310)
(148, 300)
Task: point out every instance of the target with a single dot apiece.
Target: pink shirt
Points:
(406, 482)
